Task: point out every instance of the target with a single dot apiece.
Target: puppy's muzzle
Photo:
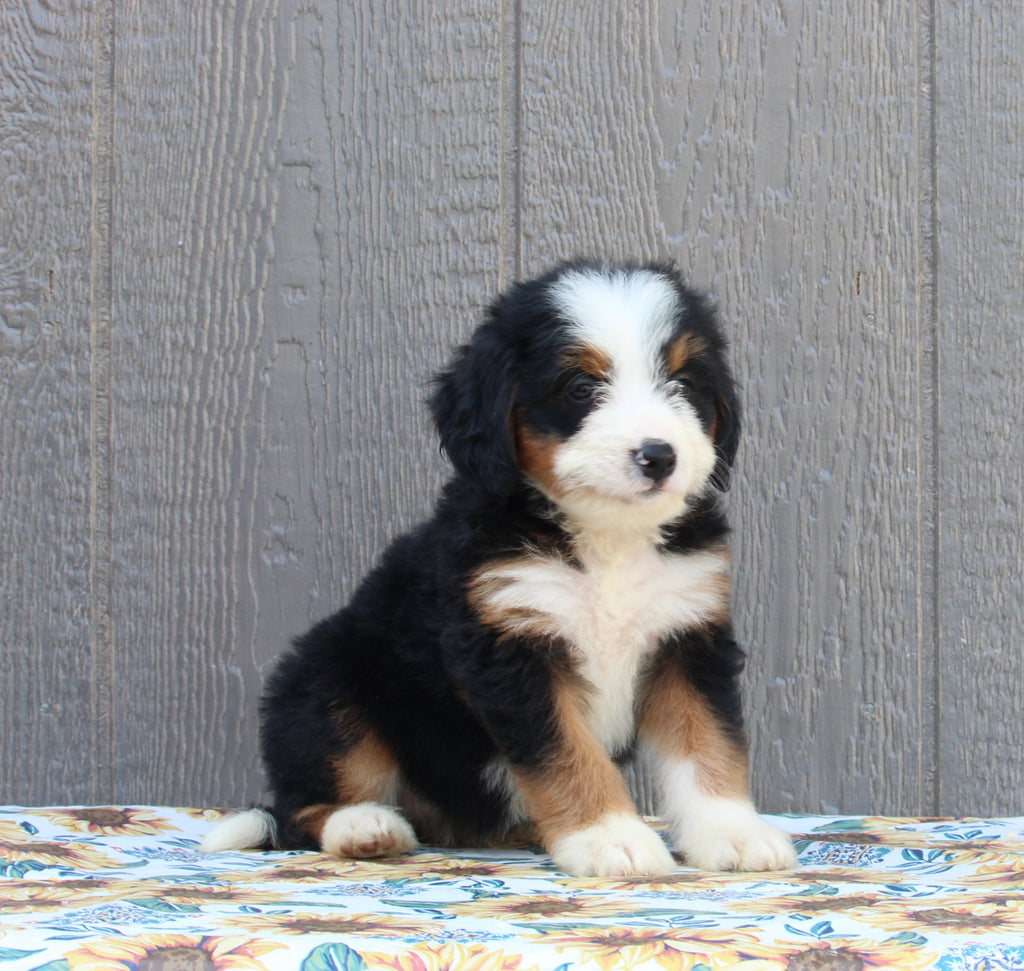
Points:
(656, 459)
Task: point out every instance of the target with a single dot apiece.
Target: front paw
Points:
(732, 836)
(620, 845)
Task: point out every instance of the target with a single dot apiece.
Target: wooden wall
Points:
(236, 238)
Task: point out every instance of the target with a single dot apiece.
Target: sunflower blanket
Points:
(124, 889)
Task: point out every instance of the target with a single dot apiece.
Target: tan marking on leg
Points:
(579, 784)
(366, 771)
(679, 723)
(311, 819)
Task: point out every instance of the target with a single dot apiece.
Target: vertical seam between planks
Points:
(930, 745)
(100, 415)
(511, 138)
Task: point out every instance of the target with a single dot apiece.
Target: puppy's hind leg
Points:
(364, 821)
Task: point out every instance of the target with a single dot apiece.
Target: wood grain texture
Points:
(980, 183)
(770, 150)
(236, 239)
(46, 718)
(322, 220)
(820, 263)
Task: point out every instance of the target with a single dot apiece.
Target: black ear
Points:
(472, 407)
(726, 432)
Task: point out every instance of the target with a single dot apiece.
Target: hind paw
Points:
(366, 830)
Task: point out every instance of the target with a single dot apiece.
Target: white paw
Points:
(366, 830)
(619, 846)
(732, 836)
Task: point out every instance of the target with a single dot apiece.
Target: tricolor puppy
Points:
(565, 608)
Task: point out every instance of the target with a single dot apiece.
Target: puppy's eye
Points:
(682, 383)
(582, 388)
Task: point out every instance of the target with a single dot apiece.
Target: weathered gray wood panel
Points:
(747, 142)
(46, 137)
(821, 269)
(220, 307)
(321, 218)
(980, 308)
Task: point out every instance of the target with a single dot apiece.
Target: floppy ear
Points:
(726, 432)
(472, 405)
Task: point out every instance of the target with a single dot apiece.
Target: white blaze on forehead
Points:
(629, 314)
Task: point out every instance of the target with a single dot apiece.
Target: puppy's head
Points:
(606, 388)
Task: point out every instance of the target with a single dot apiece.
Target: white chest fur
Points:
(613, 609)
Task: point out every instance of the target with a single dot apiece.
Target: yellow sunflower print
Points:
(445, 957)
(303, 868)
(974, 916)
(10, 832)
(338, 925)
(855, 954)
(682, 879)
(810, 904)
(32, 896)
(999, 872)
(624, 948)
(162, 952)
(78, 856)
(109, 821)
(541, 906)
(223, 892)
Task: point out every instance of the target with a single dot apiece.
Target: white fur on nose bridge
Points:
(638, 410)
(599, 458)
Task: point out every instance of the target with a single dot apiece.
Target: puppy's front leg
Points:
(701, 772)
(577, 798)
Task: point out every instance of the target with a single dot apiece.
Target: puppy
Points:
(565, 608)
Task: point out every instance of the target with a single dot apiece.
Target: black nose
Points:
(655, 458)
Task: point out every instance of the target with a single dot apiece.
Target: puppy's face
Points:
(624, 415)
(606, 388)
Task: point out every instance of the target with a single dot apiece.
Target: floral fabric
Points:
(124, 889)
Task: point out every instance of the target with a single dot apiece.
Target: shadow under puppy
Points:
(565, 608)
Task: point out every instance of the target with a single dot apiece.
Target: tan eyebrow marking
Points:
(589, 359)
(682, 349)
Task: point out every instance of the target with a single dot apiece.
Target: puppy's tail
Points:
(250, 829)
